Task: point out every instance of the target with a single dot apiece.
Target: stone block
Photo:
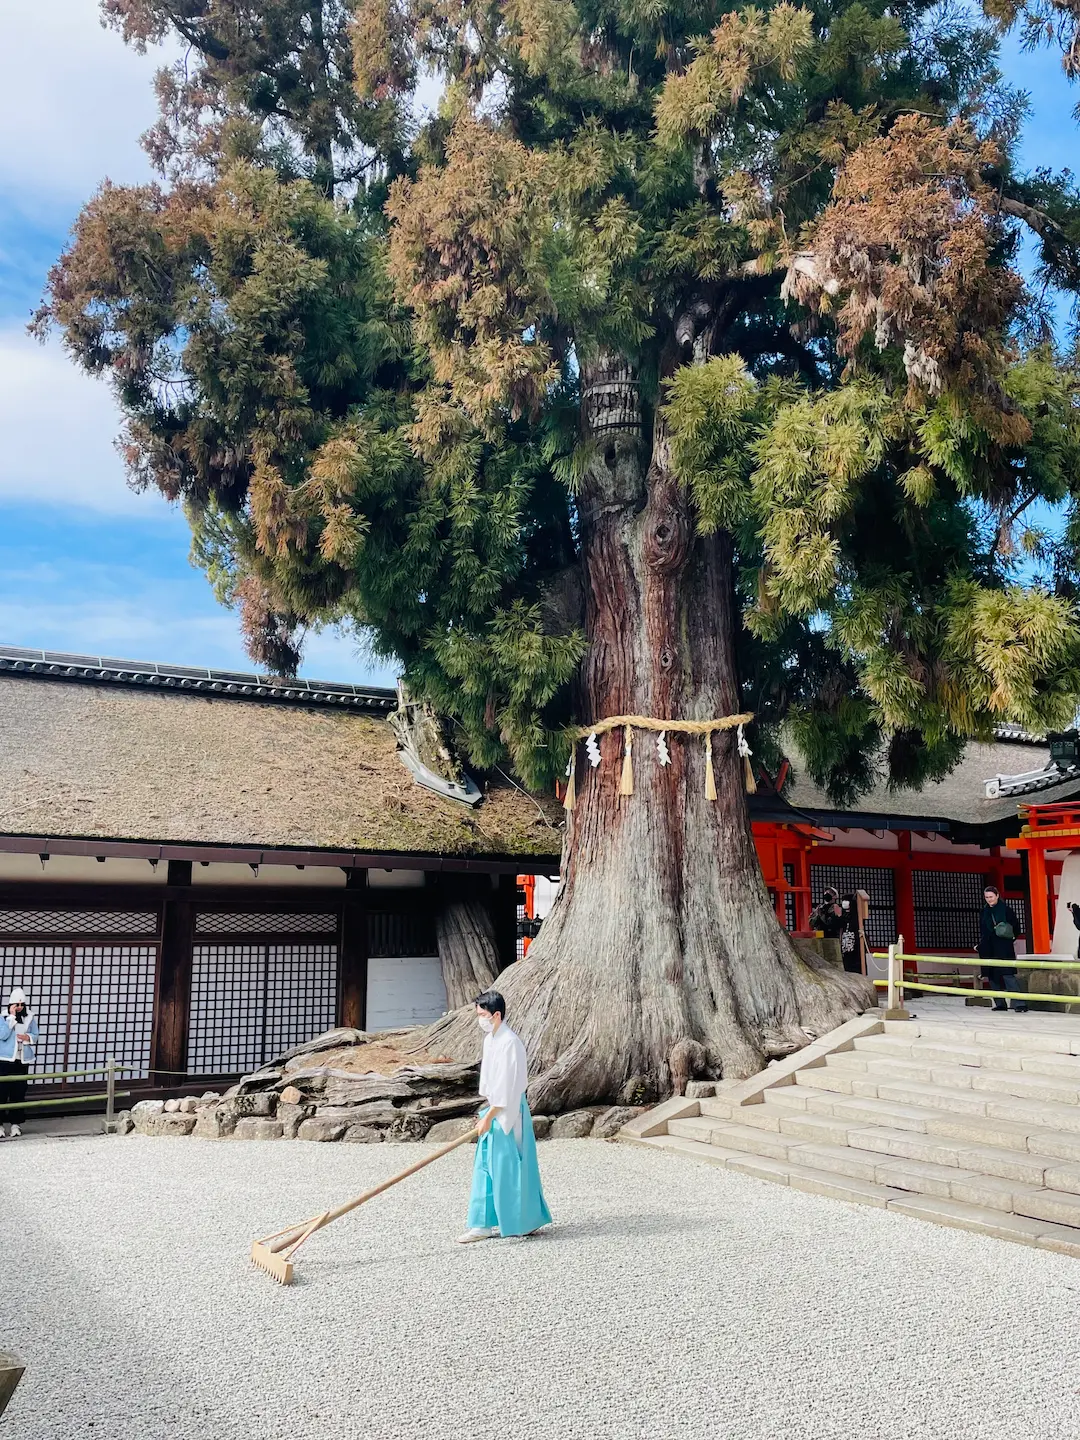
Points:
(1060, 1239)
(145, 1113)
(445, 1130)
(1063, 1177)
(364, 1134)
(654, 1122)
(993, 1192)
(1055, 1205)
(822, 1128)
(1016, 1165)
(1054, 1143)
(257, 1127)
(215, 1122)
(171, 1107)
(292, 1116)
(840, 1187)
(759, 1117)
(749, 1141)
(172, 1124)
(969, 1217)
(610, 1122)
(836, 1160)
(321, 1129)
(760, 1166)
(919, 1175)
(123, 1124)
(574, 1125)
(290, 1096)
(700, 1089)
(189, 1105)
(541, 1126)
(407, 1125)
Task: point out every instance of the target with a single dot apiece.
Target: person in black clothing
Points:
(851, 936)
(998, 928)
(1074, 911)
(828, 917)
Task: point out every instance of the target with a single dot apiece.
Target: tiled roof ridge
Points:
(233, 685)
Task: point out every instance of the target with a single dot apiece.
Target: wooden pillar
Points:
(1040, 902)
(904, 893)
(803, 901)
(504, 914)
(353, 952)
(169, 1044)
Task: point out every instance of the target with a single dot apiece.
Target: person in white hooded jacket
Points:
(18, 1046)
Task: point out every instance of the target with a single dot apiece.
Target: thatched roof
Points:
(108, 761)
(961, 797)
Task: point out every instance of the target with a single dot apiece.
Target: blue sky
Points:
(85, 565)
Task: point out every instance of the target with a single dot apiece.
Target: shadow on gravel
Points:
(608, 1227)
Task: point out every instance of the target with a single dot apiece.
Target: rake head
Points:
(276, 1266)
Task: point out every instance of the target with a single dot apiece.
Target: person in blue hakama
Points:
(506, 1195)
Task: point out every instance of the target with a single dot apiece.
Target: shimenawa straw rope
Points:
(630, 723)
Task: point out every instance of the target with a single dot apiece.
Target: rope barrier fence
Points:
(897, 982)
(110, 1070)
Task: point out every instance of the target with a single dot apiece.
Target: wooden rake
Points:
(274, 1253)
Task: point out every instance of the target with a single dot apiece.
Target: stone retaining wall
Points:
(266, 1115)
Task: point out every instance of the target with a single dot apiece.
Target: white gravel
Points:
(670, 1300)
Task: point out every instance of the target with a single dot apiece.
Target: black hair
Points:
(492, 1002)
(991, 886)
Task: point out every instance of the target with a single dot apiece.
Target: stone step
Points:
(928, 1051)
(976, 1130)
(1005, 1033)
(987, 1100)
(863, 1065)
(1037, 1199)
(814, 1178)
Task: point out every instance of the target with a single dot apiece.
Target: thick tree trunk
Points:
(663, 954)
(467, 953)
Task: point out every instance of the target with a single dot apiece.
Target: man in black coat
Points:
(998, 929)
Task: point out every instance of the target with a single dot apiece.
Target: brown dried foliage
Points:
(908, 254)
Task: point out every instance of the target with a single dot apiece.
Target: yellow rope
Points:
(628, 723)
(646, 722)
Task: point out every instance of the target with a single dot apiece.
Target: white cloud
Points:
(57, 433)
(126, 614)
(74, 100)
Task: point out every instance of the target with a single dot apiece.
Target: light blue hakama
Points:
(506, 1191)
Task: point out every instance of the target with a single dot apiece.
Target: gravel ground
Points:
(670, 1300)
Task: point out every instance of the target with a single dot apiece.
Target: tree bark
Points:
(663, 950)
(467, 953)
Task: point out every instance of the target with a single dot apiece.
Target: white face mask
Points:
(485, 1023)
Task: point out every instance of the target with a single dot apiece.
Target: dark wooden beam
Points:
(504, 914)
(353, 953)
(172, 996)
(267, 855)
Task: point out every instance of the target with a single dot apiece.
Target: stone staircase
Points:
(964, 1125)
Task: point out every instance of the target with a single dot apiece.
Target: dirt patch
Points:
(375, 1058)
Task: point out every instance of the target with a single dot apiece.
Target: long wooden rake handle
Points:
(287, 1242)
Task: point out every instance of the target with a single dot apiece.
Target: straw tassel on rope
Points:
(748, 769)
(626, 784)
(628, 723)
(710, 778)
